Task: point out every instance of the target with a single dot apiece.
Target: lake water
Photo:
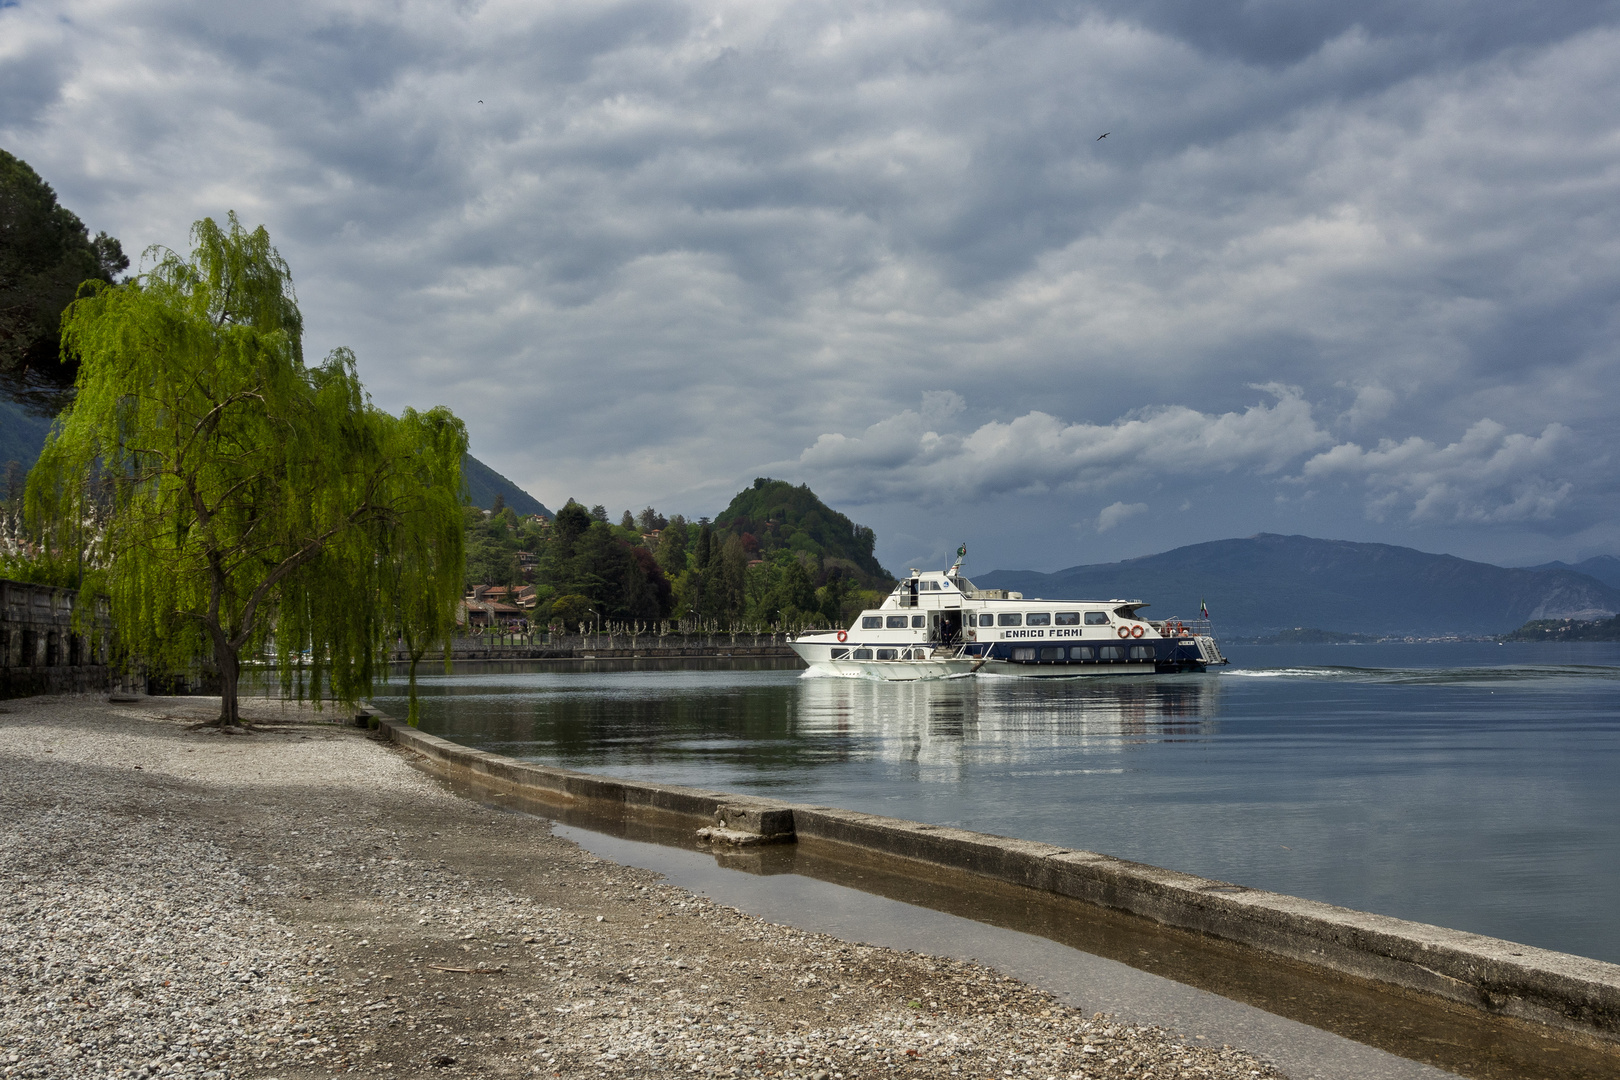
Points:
(1471, 785)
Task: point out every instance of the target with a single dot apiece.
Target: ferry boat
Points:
(937, 624)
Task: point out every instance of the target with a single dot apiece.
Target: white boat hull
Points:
(896, 670)
(938, 664)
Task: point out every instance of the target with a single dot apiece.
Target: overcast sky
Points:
(1348, 270)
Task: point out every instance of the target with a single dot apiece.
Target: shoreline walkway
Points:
(304, 902)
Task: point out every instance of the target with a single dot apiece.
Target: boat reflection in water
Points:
(1002, 722)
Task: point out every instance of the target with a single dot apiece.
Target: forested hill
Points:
(1265, 583)
(774, 514)
(484, 483)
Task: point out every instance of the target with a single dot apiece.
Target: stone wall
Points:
(39, 651)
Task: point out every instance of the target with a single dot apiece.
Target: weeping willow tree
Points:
(253, 501)
(423, 569)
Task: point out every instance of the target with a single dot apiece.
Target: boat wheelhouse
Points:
(937, 624)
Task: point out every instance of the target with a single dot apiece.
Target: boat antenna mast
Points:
(961, 557)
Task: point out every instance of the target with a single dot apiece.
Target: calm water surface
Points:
(1475, 786)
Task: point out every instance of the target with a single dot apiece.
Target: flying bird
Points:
(1099, 138)
(480, 101)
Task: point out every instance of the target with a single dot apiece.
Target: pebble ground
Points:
(301, 902)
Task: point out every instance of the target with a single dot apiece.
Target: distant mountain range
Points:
(22, 434)
(1267, 583)
(1606, 568)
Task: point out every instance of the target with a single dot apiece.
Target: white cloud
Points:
(905, 456)
(1114, 513)
(1489, 476)
(682, 238)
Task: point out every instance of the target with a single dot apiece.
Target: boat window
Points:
(1050, 653)
(871, 622)
(1082, 652)
(887, 654)
(1096, 618)
(919, 621)
(986, 619)
(1010, 618)
(1023, 654)
(1066, 618)
(897, 622)
(840, 654)
(861, 654)
(1038, 618)
(1112, 652)
(1141, 652)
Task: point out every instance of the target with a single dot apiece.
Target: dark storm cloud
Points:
(678, 240)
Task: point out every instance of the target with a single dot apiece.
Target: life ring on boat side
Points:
(1136, 631)
(843, 635)
(1124, 631)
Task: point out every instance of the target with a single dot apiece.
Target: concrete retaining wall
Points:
(1489, 974)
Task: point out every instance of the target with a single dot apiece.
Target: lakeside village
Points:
(777, 559)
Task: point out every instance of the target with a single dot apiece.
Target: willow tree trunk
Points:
(413, 715)
(230, 670)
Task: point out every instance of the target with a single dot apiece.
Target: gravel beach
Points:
(302, 902)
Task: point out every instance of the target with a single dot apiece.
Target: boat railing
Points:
(1191, 627)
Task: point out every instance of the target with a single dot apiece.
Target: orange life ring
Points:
(1124, 631)
(1136, 631)
(843, 635)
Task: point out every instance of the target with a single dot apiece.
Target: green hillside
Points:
(778, 515)
(484, 483)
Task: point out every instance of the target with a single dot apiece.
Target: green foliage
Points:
(1568, 630)
(778, 515)
(45, 254)
(573, 611)
(672, 545)
(252, 498)
(806, 565)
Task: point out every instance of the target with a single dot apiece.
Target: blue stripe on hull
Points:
(1168, 657)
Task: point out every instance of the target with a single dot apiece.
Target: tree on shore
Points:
(254, 499)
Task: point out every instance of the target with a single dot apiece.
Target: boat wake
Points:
(1512, 673)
